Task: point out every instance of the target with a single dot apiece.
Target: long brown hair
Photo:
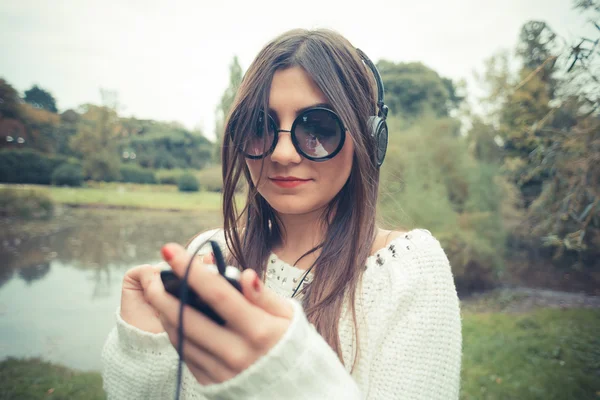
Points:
(349, 220)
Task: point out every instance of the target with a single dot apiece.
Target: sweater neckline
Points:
(285, 279)
(275, 261)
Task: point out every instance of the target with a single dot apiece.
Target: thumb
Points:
(258, 294)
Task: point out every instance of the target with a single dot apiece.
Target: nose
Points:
(285, 153)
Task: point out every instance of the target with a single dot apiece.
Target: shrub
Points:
(102, 166)
(68, 174)
(429, 180)
(212, 181)
(28, 166)
(168, 176)
(25, 203)
(188, 183)
(136, 174)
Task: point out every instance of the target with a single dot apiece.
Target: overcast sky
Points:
(168, 60)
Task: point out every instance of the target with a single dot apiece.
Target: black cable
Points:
(309, 269)
(303, 278)
(183, 297)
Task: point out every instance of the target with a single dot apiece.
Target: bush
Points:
(168, 176)
(68, 174)
(25, 203)
(136, 174)
(212, 180)
(28, 166)
(102, 166)
(188, 183)
(430, 180)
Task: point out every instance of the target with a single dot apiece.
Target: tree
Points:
(40, 98)
(96, 139)
(430, 179)
(566, 214)
(29, 126)
(9, 101)
(550, 126)
(67, 128)
(537, 44)
(166, 146)
(412, 90)
(42, 128)
(222, 111)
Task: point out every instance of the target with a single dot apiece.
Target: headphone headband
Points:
(377, 124)
(383, 110)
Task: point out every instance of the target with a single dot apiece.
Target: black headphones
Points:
(377, 124)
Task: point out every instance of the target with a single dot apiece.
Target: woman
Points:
(374, 314)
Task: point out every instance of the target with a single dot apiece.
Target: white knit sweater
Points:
(409, 332)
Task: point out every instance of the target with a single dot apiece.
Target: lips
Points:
(288, 181)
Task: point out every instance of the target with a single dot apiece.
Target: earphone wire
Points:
(183, 296)
(302, 280)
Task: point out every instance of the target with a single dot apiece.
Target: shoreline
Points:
(103, 206)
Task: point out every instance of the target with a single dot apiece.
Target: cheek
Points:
(254, 166)
(338, 170)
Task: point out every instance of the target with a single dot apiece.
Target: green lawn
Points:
(128, 195)
(34, 379)
(545, 354)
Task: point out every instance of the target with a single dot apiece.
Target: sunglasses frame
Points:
(295, 140)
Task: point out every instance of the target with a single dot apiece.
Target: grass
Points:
(129, 195)
(34, 379)
(545, 354)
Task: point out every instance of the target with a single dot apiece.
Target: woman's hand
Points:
(255, 320)
(135, 308)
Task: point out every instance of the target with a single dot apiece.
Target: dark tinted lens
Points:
(318, 133)
(259, 141)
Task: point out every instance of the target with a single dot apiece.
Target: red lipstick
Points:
(288, 182)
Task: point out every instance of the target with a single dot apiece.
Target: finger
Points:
(138, 278)
(219, 341)
(259, 295)
(200, 361)
(201, 376)
(214, 290)
(209, 259)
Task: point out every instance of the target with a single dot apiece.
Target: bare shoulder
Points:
(389, 236)
(384, 237)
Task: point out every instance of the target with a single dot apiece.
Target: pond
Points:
(60, 280)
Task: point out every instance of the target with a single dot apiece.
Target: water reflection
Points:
(34, 272)
(60, 280)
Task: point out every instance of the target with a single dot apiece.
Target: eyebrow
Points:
(301, 110)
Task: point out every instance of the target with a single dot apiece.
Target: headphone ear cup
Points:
(379, 132)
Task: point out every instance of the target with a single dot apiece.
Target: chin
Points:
(288, 205)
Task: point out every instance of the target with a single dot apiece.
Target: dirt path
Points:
(517, 300)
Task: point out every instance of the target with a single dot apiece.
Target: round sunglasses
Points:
(317, 134)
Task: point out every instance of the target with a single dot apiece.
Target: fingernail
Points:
(257, 284)
(166, 253)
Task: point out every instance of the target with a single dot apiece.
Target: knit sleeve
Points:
(142, 365)
(300, 366)
(137, 364)
(411, 339)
